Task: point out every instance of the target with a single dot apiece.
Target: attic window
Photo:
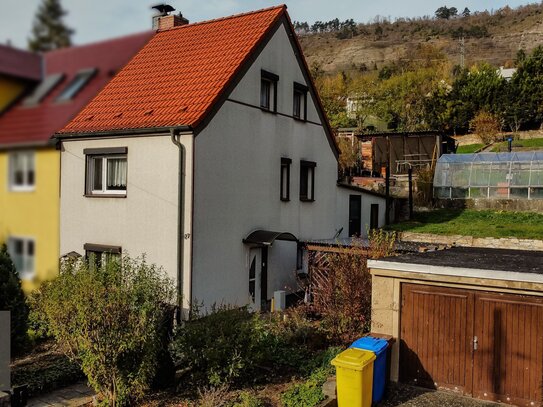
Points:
(43, 89)
(299, 101)
(77, 83)
(268, 91)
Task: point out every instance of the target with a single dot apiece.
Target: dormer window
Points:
(268, 91)
(299, 101)
(43, 89)
(77, 83)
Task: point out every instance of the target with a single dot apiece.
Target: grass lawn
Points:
(469, 222)
(528, 143)
(469, 148)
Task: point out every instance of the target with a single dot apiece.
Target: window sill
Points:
(22, 189)
(299, 119)
(307, 199)
(105, 195)
(265, 109)
(285, 199)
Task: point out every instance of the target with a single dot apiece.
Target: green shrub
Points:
(309, 393)
(12, 299)
(246, 399)
(221, 347)
(109, 320)
(234, 346)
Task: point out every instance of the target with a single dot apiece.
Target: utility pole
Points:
(462, 52)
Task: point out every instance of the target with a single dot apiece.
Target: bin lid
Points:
(376, 345)
(354, 359)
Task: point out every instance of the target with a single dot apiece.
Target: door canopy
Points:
(267, 237)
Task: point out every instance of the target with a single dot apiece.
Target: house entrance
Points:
(489, 345)
(258, 277)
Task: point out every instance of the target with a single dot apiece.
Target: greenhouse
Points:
(489, 176)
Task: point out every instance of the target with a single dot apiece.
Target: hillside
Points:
(493, 37)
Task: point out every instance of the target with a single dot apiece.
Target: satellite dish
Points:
(164, 9)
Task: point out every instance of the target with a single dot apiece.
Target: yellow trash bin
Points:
(354, 377)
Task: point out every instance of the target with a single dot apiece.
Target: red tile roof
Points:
(20, 64)
(35, 125)
(178, 76)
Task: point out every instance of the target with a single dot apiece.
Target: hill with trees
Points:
(428, 87)
(492, 36)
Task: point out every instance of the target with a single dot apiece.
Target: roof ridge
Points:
(99, 42)
(248, 13)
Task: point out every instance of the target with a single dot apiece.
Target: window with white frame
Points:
(21, 171)
(106, 171)
(21, 250)
(307, 180)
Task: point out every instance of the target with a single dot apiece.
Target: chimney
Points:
(169, 21)
(164, 20)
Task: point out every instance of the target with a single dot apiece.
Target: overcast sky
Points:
(99, 19)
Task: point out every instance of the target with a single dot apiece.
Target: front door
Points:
(355, 214)
(258, 278)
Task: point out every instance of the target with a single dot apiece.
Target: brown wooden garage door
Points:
(484, 344)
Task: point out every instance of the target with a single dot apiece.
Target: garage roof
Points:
(520, 261)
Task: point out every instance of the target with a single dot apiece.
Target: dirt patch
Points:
(399, 395)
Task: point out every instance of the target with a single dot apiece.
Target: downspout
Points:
(174, 134)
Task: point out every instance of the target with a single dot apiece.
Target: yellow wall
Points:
(9, 90)
(34, 214)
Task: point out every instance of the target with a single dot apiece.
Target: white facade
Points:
(232, 188)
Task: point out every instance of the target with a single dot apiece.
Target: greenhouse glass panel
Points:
(520, 173)
(490, 175)
(480, 174)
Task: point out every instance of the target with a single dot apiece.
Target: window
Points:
(307, 181)
(268, 91)
(43, 89)
(21, 251)
(299, 101)
(21, 171)
(98, 255)
(285, 179)
(106, 171)
(76, 84)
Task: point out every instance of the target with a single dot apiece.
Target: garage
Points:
(462, 327)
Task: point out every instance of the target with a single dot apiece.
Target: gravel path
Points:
(406, 396)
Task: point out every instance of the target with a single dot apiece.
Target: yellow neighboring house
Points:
(30, 162)
(19, 71)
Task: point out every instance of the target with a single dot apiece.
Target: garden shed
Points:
(517, 175)
(465, 319)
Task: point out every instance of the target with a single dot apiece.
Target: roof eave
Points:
(28, 144)
(120, 132)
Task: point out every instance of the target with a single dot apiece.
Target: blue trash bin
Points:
(379, 347)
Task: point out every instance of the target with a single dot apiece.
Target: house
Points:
(211, 153)
(19, 70)
(29, 161)
(464, 318)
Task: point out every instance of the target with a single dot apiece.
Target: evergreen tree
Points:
(49, 31)
(12, 299)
